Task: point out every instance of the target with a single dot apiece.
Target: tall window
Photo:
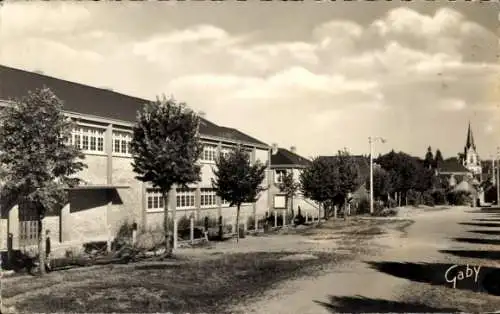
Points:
(186, 198)
(208, 197)
(88, 139)
(121, 143)
(155, 200)
(209, 152)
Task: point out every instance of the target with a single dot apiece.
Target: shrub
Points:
(490, 195)
(251, 223)
(386, 212)
(364, 206)
(413, 198)
(299, 219)
(183, 223)
(459, 198)
(392, 203)
(427, 198)
(439, 197)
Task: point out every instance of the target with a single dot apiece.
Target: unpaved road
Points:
(370, 290)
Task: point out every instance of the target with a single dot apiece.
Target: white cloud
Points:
(41, 18)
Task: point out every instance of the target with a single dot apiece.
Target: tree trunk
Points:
(238, 223)
(41, 247)
(168, 232)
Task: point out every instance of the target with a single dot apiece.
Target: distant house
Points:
(285, 161)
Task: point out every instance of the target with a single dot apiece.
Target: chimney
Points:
(293, 149)
(202, 114)
(274, 148)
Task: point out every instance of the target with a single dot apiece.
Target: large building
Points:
(111, 195)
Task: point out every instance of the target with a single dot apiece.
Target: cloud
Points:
(403, 67)
(37, 18)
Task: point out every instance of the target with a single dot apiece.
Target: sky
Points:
(321, 76)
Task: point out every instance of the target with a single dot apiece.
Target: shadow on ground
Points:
(488, 232)
(360, 304)
(480, 224)
(441, 274)
(483, 254)
(486, 220)
(478, 241)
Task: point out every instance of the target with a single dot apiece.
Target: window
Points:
(186, 198)
(278, 176)
(121, 143)
(209, 152)
(208, 197)
(88, 139)
(155, 200)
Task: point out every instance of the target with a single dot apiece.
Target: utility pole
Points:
(371, 140)
(498, 176)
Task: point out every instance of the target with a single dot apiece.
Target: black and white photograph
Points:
(250, 156)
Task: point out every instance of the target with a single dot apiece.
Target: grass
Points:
(193, 286)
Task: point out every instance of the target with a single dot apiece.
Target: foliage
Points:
(490, 194)
(237, 180)
(427, 198)
(329, 180)
(299, 218)
(382, 183)
(429, 161)
(289, 186)
(37, 162)
(439, 196)
(363, 206)
(438, 159)
(184, 223)
(459, 198)
(386, 212)
(166, 147)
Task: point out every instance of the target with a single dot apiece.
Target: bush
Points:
(413, 198)
(386, 212)
(299, 219)
(490, 195)
(364, 206)
(183, 223)
(392, 203)
(251, 222)
(459, 198)
(427, 198)
(439, 197)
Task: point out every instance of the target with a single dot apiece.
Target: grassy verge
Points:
(196, 286)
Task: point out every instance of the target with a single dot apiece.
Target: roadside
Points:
(199, 280)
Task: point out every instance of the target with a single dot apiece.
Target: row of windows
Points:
(185, 199)
(88, 139)
(209, 152)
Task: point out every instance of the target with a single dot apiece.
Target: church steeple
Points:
(470, 139)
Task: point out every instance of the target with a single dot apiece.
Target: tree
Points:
(289, 186)
(429, 161)
(438, 159)
(329, 180)
(382, 184)
(238, 181)
(165, 148)
(38, 163)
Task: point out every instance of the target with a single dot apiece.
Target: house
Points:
(111, 195)
(285, 161)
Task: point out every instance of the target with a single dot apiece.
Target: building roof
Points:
(285, 157)
(452, 165)
(363, 163)
(101, 102)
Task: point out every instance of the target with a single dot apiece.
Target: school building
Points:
(111, 195)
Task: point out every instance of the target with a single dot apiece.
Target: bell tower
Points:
(471, 158)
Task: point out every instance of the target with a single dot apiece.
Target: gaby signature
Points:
(460, 275)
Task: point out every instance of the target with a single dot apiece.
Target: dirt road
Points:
(363, 287)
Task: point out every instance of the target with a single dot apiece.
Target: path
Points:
(432, 231)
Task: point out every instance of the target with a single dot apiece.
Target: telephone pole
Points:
(371, 140)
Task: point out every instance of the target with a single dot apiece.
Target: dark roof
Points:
(363, 163)
(470, 139)
(451, 165)
(285, 157)
(83, 99)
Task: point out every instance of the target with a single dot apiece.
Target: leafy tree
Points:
(289, 186)
(429, 161)
(329, 180)
(237, 180)
(382, 183)
(165, 148)
(438, 159)
(38, 163)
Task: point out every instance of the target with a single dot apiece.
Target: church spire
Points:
(470, 139)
